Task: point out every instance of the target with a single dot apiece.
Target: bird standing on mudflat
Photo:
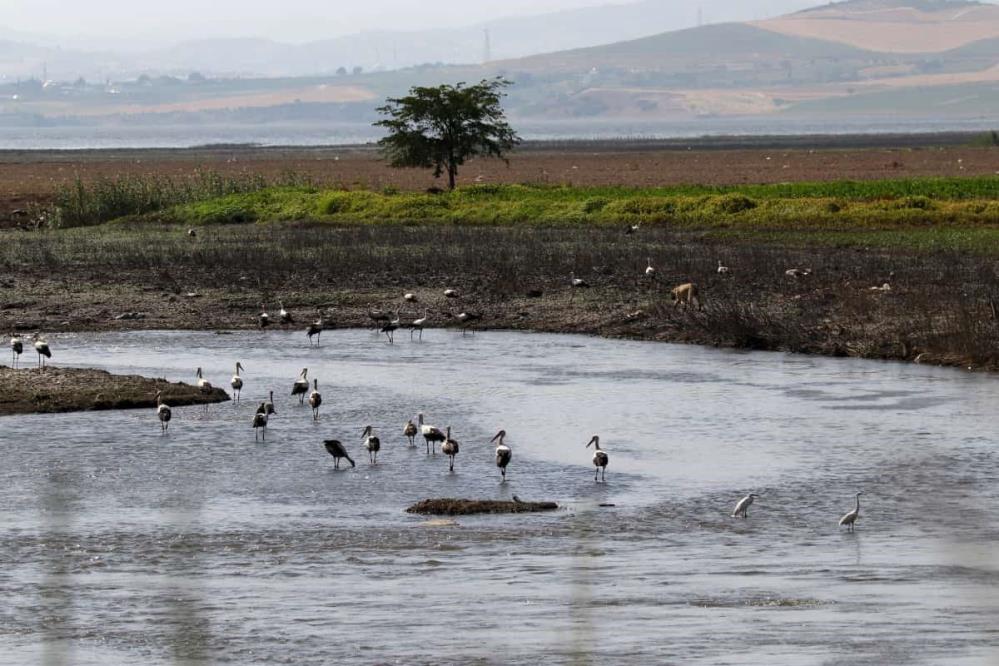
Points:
(600, 458)
(204, 386)
(284, 315)
(503, 453)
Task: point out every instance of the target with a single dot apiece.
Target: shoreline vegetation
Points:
(54, 390)
(896, 269)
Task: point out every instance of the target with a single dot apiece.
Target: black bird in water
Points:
(337, 450)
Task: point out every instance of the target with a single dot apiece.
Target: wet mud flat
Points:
(53, 389)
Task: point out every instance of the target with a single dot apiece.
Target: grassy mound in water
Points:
(839, 205)
(465, 507)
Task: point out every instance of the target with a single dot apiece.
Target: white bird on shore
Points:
(16, 348)
(263, 318)
(851, 518)
(204, 386)
(886, 287)
(450, 293)
(503, 453)
(260, 423)
(431, 434)
(237, 381)
(284, 316)
(798, 272)
(650, 271)
(315, 399)
(42, 348)
(409, 297)
(163, 412)
(600, 458)
(576, 283)
(631, 229)
(742, 507)
(372, 444)
(450, 447)
(418, 324)
(722, 269)
(301, 386)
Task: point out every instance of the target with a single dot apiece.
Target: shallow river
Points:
(120, 545)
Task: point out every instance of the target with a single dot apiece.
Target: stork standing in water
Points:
(378, 318)
(42, 348)
(389, 329)
(260, 423)
(467, 321)
(409, 430)
(418, 324)
(503, 453)
(431, 434)
(372, 444)
(263, 318)
(16, 348)
(163, 412)
(204, 386)
(268, 407)
(851, 518)
(301, 386)
(337, 450)
(742, 508)
(237, 381)
(284, 316)
(315, 399)
(315, 329)
(450, 447)
(600, 458)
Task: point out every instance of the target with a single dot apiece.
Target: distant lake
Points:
(311, 134)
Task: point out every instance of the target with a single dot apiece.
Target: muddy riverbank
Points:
(54, 389)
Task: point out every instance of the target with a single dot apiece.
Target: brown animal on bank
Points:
(687, 293)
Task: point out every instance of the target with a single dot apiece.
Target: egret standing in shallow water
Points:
(237, 381)
(16, 348)
(337, 450)
(742, 507)
(315, 399)
(431, 434)
(260, 423)
(372, 444)
(600, 458)
(409, 430)
(42, 348)
(851, 518)
(503, 453)
(450, 447)
(301, 386)
(163, 412)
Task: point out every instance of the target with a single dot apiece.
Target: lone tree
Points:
(441, 127)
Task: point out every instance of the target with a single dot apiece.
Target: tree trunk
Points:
(452, 172)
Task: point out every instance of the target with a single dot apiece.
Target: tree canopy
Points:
(440, 127)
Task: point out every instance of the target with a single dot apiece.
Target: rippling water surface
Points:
(122, 546)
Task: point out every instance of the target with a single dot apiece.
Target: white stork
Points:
(263, 318)
(163, 412)
(42, 348)
(301, 386)
(450, 293)
(503, 453)
(450, 447)
(576, 283)
(410, 297)
(284, 316)
(467, 321)
(315, 329)
(315, 399)
(431, 434)
(851, 518)
(600, 458)
(16, 348)
(390, 328)
(418, 324)
(371, 443)
(204, 386)
(237, 382)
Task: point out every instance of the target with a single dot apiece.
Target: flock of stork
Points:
(432, 435)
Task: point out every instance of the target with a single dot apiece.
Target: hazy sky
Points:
(162, 21)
